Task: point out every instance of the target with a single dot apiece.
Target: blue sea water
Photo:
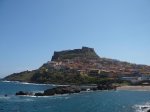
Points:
(99, 101)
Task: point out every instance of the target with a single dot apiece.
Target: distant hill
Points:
(79, 66)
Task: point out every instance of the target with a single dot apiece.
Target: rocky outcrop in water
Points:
(22, 93)
(62, 90)
(67, 90)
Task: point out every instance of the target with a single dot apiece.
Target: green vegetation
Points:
(59, 77)
(22, 76)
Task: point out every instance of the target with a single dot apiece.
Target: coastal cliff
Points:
(85, 52)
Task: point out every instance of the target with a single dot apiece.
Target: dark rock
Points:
(39, 94)
(74, 89)
(49, 92)
(148, 110)
(83, 89)
(23, 93)
(105, 87)
(67, 90)
(62, 90)
(94, 88)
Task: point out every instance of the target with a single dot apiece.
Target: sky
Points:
(31, 30)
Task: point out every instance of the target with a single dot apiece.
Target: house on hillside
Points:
(99, 73)
(137, 78)
(82, 72)
(144, 77)
(132, 79)
(94, 72)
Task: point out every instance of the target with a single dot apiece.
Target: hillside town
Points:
(101, 67)
(83, 66)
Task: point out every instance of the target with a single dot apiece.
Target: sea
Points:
(97, 101)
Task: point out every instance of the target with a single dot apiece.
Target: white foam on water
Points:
(67, 98)
(16, 98)
(39, 84)
(23, 100)
(57, 96)
(6, 81)
(26, 83)
(4, 98)
(142, 108)
(10, 81)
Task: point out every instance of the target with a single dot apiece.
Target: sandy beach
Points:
(138, 88)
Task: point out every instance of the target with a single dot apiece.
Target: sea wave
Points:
(142, 108)
(16, 99)
(27, 83)
(4, 97)
(23, 100)
(57, 96)
(10, 81)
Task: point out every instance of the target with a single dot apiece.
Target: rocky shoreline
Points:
(67, 90)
